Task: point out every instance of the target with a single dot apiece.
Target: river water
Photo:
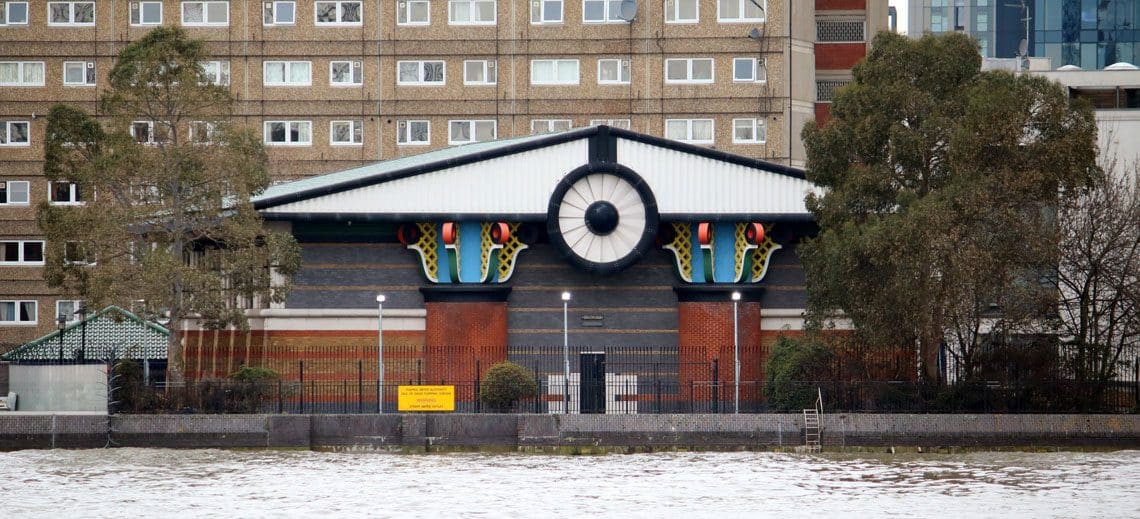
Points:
(217, 483)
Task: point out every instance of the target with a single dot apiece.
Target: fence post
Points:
(477, 380)
(538, 394)
(302, 411)
(419, 372)
(280, 409)
(359, 386)
(716, 384)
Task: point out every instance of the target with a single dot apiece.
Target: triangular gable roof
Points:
(513, 179)
(110, 333)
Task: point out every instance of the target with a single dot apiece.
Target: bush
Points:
(792, 366)
(130, 393)
(505, 385)
(250, 388)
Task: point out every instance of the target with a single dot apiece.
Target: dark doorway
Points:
(593, 392)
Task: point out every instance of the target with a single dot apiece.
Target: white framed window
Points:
(413, 12)
(413, 133)
(749, 70)
(682, 11)
(147, 132)
(468, 131)
(613, 72)
(346, 133)
(202, 132)
(288, 73)
(546, 11)
(749, 131)
(480, 72)
(75, 253)
(21, 73)
(65, 193)
(338, 13)
(146, 13)
(694, 131)
(538, 126)
(289, 133)
(689, 70)
(616, 123)
(13, 13)
(216, 72)
(67, 309)
(21, 252)
(14, 192)
(71, 13)
(346, 73)
(420, 72)
(279, 13)
(15, 133)
(601, 11)
(205, 14)
(554, 72)
(471, 12)
(18, 312)
(79, 73)
(733, 11)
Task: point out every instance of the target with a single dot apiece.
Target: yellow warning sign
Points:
(427, 398)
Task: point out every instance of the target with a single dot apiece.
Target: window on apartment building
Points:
(538, 126)
(346, 73)
(746, 70)
(479, 72)
(413, 12)
(13, 13)
(202, 132)
(65, 193)
(71, 13)
(601, 11)
(14, 192)
(21, 252)
(689, 70)
(420, 72)
(840, 30)
(147, 132)
(694, 131)
(79, 73)
(288, 73)
(288, 133)
(740, 10)
(346, 133)
(471, 12)
(15, 133)
(616, 123)
(338, 13)
(464, 132)
(280, 13)
(21, 73)
(146, 13)
(613, 71)
(67, 309)
(75, 253)
(682, 11)
(413, 133)
(17, 312)
(205, 14)
(545, 11)
(749, 131)
(216, 72)
(554, 72)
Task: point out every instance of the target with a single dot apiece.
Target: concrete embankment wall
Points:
(417, 432)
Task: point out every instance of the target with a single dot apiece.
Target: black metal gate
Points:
(593, 391)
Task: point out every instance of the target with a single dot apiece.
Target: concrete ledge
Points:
(425, 432)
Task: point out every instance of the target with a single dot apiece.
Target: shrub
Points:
(250, 388)
(793, 364)
(505, 385)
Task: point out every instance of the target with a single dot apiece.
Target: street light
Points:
(61, 320)
(736, 351)
(83, 332)
(142, 337)
(566, 353)
(380, 354)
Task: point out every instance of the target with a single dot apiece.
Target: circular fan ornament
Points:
(602, 217)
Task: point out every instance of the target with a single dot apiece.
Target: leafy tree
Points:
(941, 184)
(505, 385)
(167, 216)
(794, 364)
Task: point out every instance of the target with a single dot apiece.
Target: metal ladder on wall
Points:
(811, 423)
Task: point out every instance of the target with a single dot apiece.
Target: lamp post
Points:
(566, 353)
(142, 338)
(380, 354)
(83, 332)
(736, 352)
(61, 320)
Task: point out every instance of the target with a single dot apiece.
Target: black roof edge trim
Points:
(520, 217)
(707, 152)
(461, 160)
(718, 292)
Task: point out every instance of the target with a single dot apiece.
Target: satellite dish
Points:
(754, 33)
(628, 10)
(1023, 47)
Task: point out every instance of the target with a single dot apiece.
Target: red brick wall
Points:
(704, 334)
(837, 5)
(822, 113)
(460, 335)
(838, 56)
